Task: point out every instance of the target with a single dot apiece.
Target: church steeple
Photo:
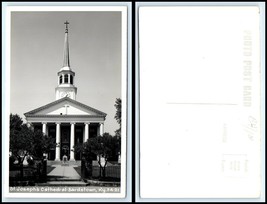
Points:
(66, 58)
(66, 86)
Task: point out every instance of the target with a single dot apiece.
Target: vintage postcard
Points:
(199, 101)
(65, 87)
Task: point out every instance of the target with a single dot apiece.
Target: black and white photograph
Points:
(113, 101)
(67, 102)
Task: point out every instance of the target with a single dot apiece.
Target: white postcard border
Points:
(125, 87)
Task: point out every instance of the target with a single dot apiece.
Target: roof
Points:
(31, 113)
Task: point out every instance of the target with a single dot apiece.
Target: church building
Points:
(66, 120)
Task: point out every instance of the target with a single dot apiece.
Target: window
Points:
(66, 78)
(71, 79)
(60, 79)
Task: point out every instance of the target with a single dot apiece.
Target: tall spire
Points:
(66, 59)
(65, 75)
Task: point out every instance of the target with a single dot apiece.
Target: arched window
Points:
(66, 78)
(60, 79)
(71, 79)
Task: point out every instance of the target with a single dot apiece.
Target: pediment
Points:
(66, 106)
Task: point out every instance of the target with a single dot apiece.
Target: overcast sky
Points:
(37, 55)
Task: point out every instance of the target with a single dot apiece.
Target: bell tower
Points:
(65, 75)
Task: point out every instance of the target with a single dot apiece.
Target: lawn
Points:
(112, 173)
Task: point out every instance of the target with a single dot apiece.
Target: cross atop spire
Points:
(66, 23)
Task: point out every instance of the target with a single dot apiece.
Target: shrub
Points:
(30, 161)
(12, 159)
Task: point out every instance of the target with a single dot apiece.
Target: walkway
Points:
(63, 176)
(64, 172)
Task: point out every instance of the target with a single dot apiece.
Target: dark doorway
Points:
(52, 134)
(65, 141)
(78, 142)
(93, 130)
(37, 127)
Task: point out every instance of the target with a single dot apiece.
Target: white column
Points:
(45, 132)
(119, 158)
(58, 142)
(72, 127)
(58, 81)
(101, 129)
(86, 130)
(44, 128)
(63, 79)
(69, 78)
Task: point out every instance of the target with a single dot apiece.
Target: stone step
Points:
(63, 183)
(68, 163)
(73, 163)
(50, 163)
(63, 179)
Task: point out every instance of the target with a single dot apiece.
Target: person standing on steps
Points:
(65, 158)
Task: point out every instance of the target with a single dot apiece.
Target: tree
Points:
(20, 138)
(118, 115)
(104, 147)
(41, 144)
(78, 147)
(24, 141)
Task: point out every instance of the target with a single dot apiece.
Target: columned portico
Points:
(68, 134)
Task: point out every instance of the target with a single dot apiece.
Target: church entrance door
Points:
(65, 151)
(65, 142)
